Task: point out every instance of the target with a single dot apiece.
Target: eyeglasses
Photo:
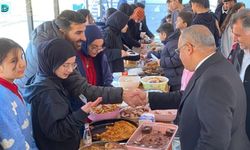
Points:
(177, 50)
(70, 66)
(96, 48)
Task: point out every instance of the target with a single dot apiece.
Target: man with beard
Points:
(70, 25)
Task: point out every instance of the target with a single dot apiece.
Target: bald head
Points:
(195, 43)
(198, 36)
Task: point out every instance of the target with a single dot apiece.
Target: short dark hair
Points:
(6, 46)
(140, 5)
(244, 16)
(126, 9)
(166, 27)
(203, 3)
(84, 12)
(230, 0)
(187, 17)
(180, 1)
(67, 17)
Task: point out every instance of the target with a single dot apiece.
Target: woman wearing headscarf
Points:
(55, 125)
(127, 38)
(116, 25)
(91, 60)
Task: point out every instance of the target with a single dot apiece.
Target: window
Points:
(13, 23)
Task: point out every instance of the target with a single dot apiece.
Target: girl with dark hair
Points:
(15, 126)
(55, 124)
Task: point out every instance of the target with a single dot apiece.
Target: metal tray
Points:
(100, 127)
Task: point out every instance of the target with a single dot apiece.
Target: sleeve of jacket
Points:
(60, 123)
(145, 28)
(106, 72)
(11, 136)
(171, 61)
(169, 100)
(113, 54)
(129, 41)
(219, 105)
(76, 85)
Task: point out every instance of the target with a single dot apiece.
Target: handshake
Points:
(135, 97)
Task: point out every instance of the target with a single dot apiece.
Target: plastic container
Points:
(105, 111)
(155, 83)
(129, 82)
(162, 127)
(165, 115)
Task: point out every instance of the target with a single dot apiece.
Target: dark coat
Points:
(237, 59)
(128, 38)
(171, 63)
(218, 12)
(113, 40)
(170, 100)
(213, 108)
(55, 125)
(208, 19)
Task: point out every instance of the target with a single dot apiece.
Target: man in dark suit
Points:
(241, 31)
(213, 107)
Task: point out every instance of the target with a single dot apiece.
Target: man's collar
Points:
(203, 60)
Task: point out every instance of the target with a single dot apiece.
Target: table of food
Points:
(119, 127)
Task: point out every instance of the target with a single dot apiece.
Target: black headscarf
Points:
(126, 9)
(53, 54)
(117, 21)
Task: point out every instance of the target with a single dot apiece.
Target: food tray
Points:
(100, 127)
(162, 127)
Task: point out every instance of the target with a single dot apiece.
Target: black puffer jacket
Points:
(171, 63)
(113, 40)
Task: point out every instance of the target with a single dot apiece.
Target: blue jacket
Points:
(15, 123)
(171, 63)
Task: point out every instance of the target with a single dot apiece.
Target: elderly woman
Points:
(92, 62)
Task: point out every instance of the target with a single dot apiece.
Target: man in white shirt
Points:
(241, 31)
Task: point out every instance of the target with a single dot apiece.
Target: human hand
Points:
(88, 106)
(135, 97)
(124, 53)
(159, 62)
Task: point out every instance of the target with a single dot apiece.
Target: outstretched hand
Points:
(134, 97)
(88, 106)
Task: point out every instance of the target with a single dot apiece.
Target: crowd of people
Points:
(68, 64)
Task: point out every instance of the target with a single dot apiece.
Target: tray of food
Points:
(104, 111)
(112, 130)
(152, 136)
(167, 115)
(104, 146)
(155, 83)
(133, 113)
(151, 68)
